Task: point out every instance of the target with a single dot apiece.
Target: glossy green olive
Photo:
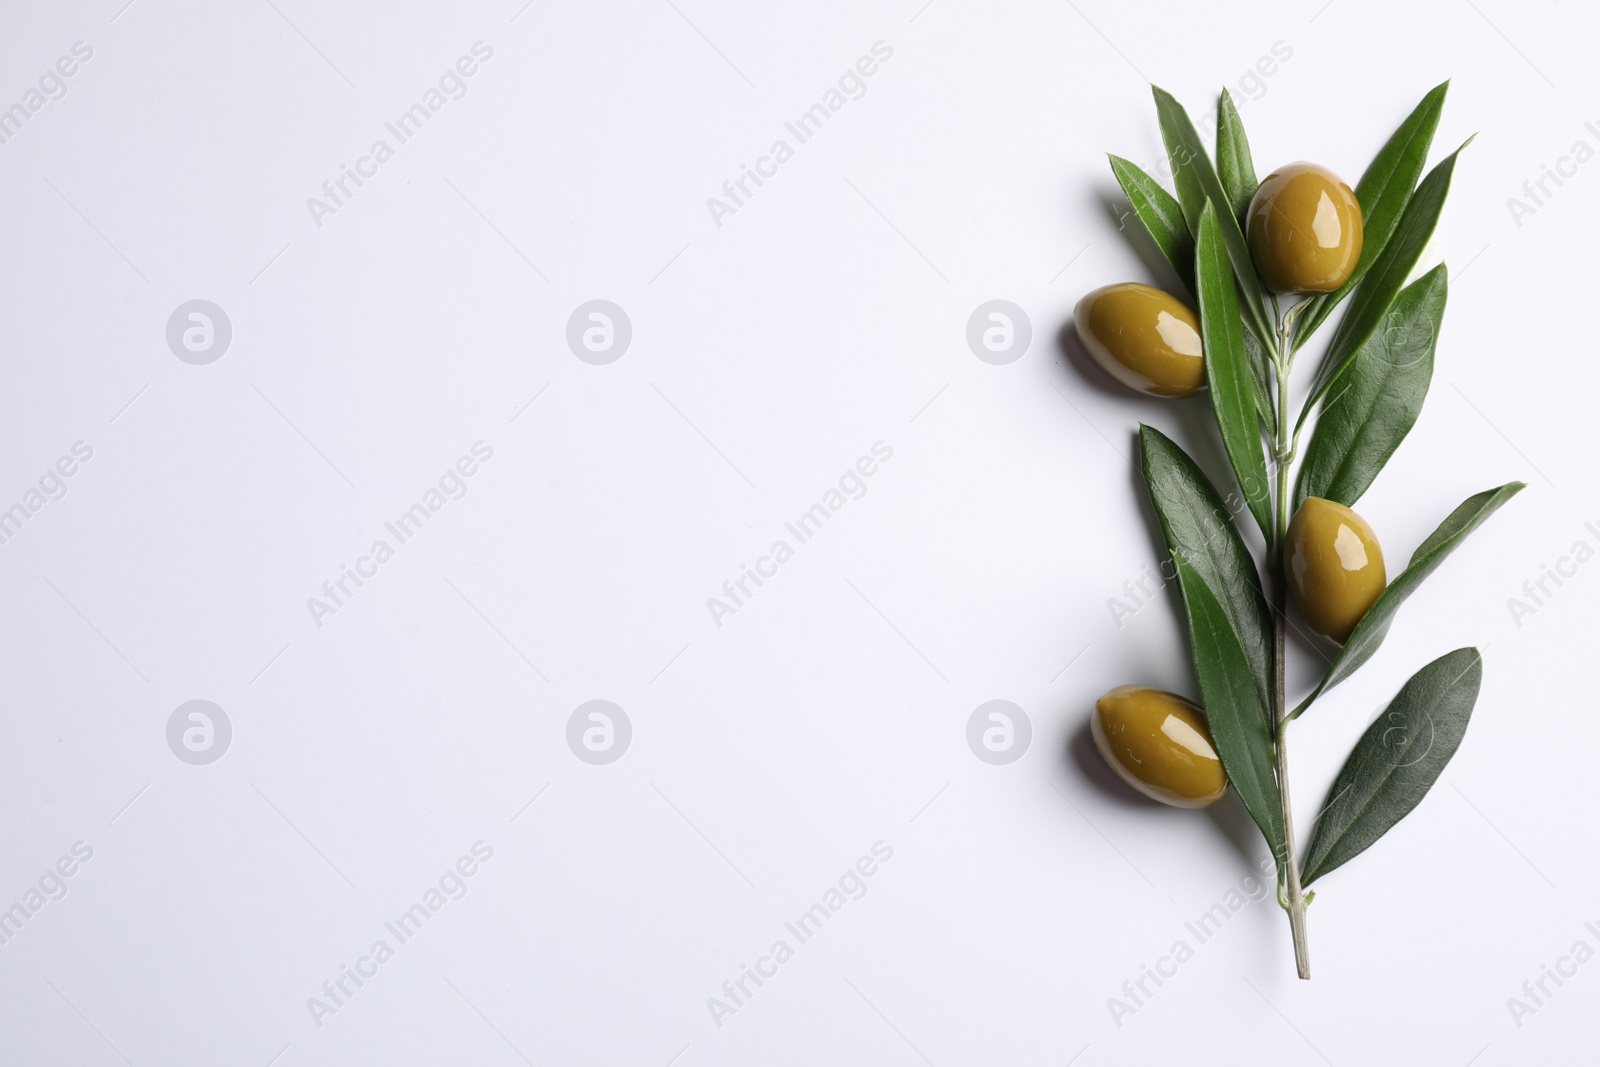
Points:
(1144, 338)
(1304, 229)
(1158, 743)
(1335, 567)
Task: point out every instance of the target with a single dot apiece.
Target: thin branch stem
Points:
(1284, 457)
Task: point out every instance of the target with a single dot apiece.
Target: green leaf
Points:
(1378, 398)
(1383, 192)
(1234, 168)
(1235, 712)
(1229, 627)
(1397, 760)
(1238, 176)
(1199, 530)
(1383, 283)
(1257, 358)
(1161, 215)
(1374, 625)
(1234, 397)
(1197, 183)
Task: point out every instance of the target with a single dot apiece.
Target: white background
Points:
(768, 354)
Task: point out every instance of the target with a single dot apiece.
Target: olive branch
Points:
(1365, 395)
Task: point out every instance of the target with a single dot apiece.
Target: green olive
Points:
(1304, 229)
(1144, 338)
(1335, 566)
(1158, 743)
